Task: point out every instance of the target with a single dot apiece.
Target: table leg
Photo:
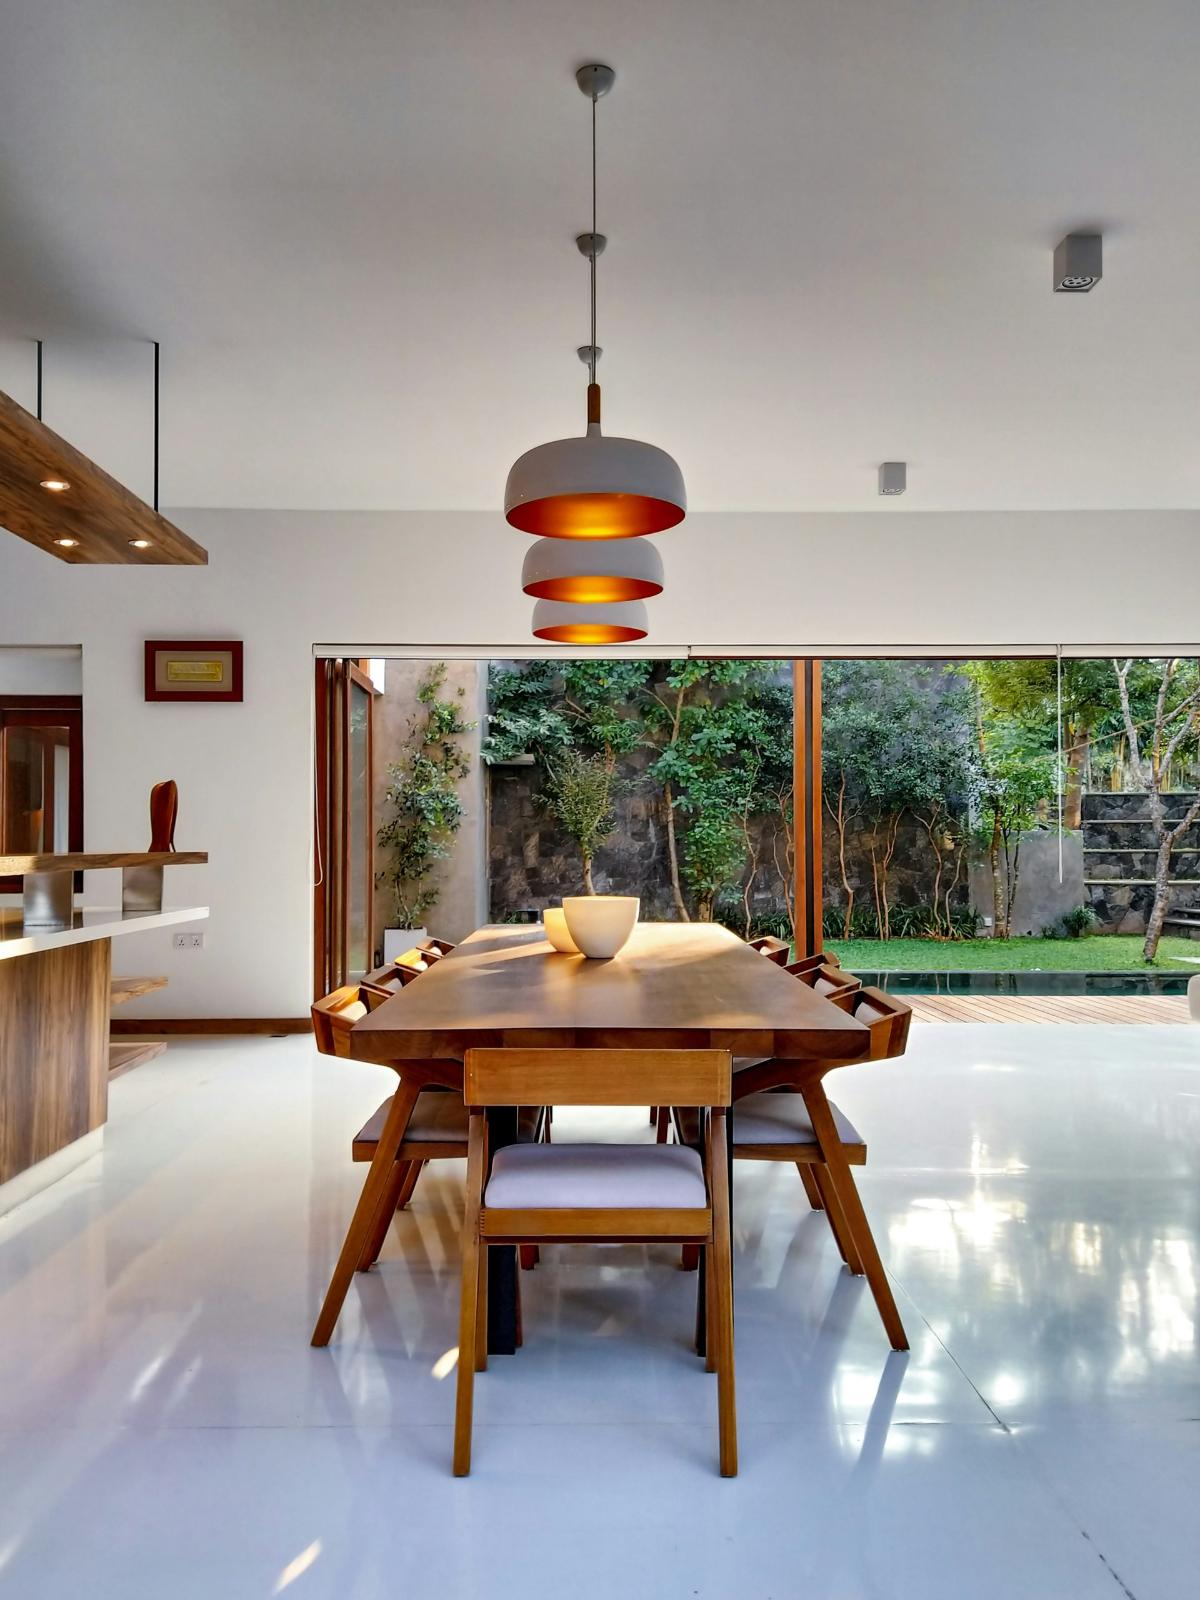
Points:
(502, 1259)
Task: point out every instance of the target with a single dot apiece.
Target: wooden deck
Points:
(1048, 1008)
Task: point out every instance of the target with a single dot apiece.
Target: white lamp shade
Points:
(563, 622)
(592, 571)
(596, 487)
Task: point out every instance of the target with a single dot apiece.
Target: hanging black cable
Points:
(39, 380)
(156, 424)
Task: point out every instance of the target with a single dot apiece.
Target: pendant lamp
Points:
(591, 571)
(597, 487)
(562, 622)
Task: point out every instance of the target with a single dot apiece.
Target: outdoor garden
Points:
(942, 783)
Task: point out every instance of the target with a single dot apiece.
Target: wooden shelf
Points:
(132, 989)
(96, 861)
(124, 1057)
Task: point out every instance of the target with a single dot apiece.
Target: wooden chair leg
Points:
(468, 1317)
(383, 1220)
(710, 1306)
(375, 1186)
(415, 1169)
(841, 1178)
(662, 1122)
(689, 1257)
(804, 1168)
(481, 1350)
(528, 1256)
(721, 1288)
(838, 1226)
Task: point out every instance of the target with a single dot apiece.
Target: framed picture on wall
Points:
(193, 669)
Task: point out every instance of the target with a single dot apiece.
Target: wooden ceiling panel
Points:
(102, 515)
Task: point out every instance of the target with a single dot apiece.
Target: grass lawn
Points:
(1102, 952)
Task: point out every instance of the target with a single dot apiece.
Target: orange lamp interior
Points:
(589, 633)
(595, 516)
(597, 590)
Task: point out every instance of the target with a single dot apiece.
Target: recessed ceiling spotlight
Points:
(67, 544)
(140, 544)
(893, 477)
(1078, 263)
(55, 485)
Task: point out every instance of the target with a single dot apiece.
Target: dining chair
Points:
(434, 949)
(597, 1193)
(437, 1129)
(781, 1113)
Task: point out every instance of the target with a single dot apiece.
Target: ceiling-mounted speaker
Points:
(1078, 263)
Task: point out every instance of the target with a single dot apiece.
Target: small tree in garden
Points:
(682, 725)
(1025, 692)
(579, 794)
(426, 811)
(1175, 724)
(1012, 784)
(941, 770)
(854, 737)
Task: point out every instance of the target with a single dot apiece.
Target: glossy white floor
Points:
(165, 1429)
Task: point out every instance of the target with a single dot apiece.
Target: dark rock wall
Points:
(1119, 859)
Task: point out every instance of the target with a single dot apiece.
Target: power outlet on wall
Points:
(188, 941)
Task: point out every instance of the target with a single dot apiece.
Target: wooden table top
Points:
(96, 860)
(683, 985)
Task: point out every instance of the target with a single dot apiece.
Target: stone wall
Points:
(462, 877)
(533, 862)
(1119, 856)
(911, 873)
(1041, 899)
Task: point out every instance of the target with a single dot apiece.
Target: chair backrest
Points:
(776, 950)
(384, 981)
(823, 958)
(334, 1015)
(831, 982)
(535, 1077)
(887, 1018)
(434, 949)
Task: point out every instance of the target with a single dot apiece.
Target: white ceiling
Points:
(350, 222)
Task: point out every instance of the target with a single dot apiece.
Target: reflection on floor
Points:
(165, 1430)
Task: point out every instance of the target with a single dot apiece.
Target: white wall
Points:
(283, 581)
(47, 670)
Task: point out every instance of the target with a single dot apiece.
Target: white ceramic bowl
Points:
(554, 925)
(601, 923)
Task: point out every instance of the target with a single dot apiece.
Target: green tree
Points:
(1013, 783)
(579, 794)
(1026, 692)
(707, 769)
(1175, 726)
(422, 793)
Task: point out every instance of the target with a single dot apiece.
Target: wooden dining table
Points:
(674, 986)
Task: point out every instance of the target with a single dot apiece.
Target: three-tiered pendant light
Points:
(591, 500)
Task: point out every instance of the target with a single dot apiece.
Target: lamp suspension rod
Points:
(39, 380)
(592, 253)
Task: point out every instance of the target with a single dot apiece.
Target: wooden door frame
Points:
(49, 710)
(806, 805)
(333, 678)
